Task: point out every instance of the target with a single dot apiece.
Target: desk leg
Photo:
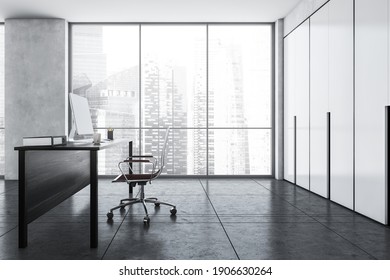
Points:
(23, 228)
(94, 200)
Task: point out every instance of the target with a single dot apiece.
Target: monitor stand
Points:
(72, 134)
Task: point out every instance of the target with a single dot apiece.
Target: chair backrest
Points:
(163, 154)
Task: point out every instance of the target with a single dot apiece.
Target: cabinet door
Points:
(341, 101)
(289, 108)
(319, 70)
(370, 100)
(302, 97)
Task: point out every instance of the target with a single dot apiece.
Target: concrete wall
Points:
(279, 100)
(301, 12)
(36, 82)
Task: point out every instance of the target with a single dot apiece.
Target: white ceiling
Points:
(149, 10)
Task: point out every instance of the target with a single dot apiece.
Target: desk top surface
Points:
(77, 146)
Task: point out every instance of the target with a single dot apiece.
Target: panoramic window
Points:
(240, 117)
(2, 159)
(210, 83)
(105, 67)
(174, 94)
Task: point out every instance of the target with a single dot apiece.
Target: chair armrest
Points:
(140, 156)
(128, 161)
(136, 160)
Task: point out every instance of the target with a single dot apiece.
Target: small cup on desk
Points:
(110, 134)
(96, 138)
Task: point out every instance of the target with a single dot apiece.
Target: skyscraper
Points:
(88, 56)
(113, 100)
(164, 105)
(230, 148)
(199, 103)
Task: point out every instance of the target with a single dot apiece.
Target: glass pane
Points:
(196, 151)
(174, 76)
(105, 70)
(186, 152)
(240, 152)
(240, 76)
(2, 159)
(173, 93)
(152, 143)
(108, 159)
(2, 155)
(189, 151)
(1, 77)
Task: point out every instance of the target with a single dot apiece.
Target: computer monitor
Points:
(82, 122)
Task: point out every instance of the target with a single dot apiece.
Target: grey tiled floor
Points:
(217, 219)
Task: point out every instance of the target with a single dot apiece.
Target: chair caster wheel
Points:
(146, 220)
(110, 215)
(173, 211)
(157, 204)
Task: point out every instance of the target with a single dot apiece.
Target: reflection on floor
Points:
(217, 219)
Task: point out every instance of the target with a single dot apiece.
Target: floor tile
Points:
(342, 218)
(8, 205)
(180, 241)
(8, 186)
(296, 241)
(252, 205)
(178, 218)
(5, 227)
(162, 186)
(282, 188)
(373, 237)
(2, 186)
(181, 187)
(254, 218)
(237, 187)
(185, 205)
(56, 241)
(316, 205)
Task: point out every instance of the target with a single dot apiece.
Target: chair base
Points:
(131, 201)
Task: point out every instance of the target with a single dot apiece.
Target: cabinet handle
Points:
(387, 157)
(328, 155)
(295, 149)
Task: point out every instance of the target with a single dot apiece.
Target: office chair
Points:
(142, 179)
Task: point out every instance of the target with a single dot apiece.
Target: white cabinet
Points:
(302, 99)
(371, 94)
(319, 101)
(341, 101)
(296, 143)
(289, 108)
(339, 63)
(331, 90)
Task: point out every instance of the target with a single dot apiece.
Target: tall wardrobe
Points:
(336, 96)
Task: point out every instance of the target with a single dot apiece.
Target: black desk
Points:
(50, 175)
